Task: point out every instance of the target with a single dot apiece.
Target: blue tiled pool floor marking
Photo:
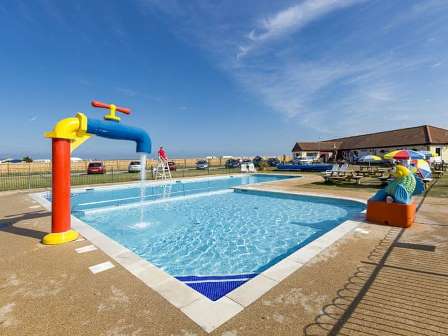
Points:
(215, 287)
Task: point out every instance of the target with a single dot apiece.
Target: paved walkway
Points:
(375, 281)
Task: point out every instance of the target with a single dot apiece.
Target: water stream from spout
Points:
(142, 186)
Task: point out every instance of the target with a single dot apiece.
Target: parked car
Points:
(134, 167)
(201, 164)
(232, 163)
(96, 167)
(273, 162)
(12, 161)
(172, 165)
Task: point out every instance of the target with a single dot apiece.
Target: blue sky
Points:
(221, 77)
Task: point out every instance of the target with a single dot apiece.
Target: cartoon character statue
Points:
(401, 188)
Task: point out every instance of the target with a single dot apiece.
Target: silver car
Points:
(134, 167)
(202, 164)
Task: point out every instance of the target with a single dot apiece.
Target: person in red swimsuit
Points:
(162, 154)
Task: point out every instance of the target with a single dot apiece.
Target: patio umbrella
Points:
(421, 168)
(429, 154)
(404, 154)
(370, 158)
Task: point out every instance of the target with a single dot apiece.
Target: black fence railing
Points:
(26, 178)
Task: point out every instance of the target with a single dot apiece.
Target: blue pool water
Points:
(216, 241)
(98, 198)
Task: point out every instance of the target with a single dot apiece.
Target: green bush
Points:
(262, 165)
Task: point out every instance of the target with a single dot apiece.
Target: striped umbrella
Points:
(404, 154)
(370, 158)
(421, 168)
(429, 154)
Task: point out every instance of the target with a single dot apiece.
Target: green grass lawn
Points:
(439, 188)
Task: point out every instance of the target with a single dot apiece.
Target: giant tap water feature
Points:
(67, 135)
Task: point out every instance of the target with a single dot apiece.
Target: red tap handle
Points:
(118, 108)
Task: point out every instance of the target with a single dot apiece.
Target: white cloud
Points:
(355, 78)
(290, 20)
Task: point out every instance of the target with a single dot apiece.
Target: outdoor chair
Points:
(251, 168)
(334, 169)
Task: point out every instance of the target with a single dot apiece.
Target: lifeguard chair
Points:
(162, 171)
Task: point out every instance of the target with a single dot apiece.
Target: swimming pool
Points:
(216, 239)
(94, 198)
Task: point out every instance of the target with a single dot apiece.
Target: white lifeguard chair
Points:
(162, 171)
(248, 168)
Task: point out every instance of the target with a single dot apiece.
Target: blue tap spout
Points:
(114, 130)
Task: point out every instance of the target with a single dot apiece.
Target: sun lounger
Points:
(244, 168)
(344, 167)
(333, 170)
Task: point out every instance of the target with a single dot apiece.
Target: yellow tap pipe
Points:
(74, 129)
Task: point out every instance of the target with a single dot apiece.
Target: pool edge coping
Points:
(131, 184)
(206, 313)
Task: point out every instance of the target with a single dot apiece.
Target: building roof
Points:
(321, 146)
(412, 136)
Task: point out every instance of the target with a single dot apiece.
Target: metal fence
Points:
(38, 175)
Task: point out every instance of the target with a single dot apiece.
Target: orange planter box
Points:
(394, 214)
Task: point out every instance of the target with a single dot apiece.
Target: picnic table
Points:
(371, 173)
(347, 175)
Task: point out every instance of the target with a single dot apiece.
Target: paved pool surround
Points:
(122, 302)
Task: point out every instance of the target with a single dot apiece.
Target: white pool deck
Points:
(209, 314)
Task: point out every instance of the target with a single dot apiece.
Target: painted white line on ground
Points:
(361, 231)
(101, 267)
(85, 249)
(80, 239)
(34, 207)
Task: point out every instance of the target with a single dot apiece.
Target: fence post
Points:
(29, 175)
(112, 174)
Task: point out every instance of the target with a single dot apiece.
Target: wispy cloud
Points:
(126, 91)
(348, 74)
(289, 20)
